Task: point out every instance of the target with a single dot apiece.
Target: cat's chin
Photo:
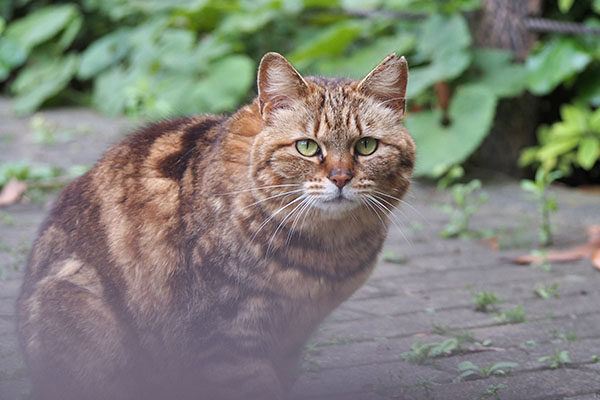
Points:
(337, 207)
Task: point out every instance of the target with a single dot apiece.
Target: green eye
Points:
(307, 147)
(366, 146)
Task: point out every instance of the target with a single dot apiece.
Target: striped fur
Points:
(197, 256)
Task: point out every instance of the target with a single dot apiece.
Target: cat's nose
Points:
(340, 177)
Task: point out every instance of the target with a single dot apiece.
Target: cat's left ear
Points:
(279, 84)
(387, 82)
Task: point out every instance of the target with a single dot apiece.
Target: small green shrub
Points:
(470, 370)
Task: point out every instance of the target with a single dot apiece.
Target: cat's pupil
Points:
(366, 146)
(307, 147)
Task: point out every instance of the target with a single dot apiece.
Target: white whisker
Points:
(393, 218)
(266, 221)
(283, 222)
(274, 197)
(405, 203)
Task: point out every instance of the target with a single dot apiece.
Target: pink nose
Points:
(339, 177)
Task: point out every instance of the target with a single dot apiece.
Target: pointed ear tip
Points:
(272, 55)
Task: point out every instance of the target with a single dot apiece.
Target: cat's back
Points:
(136, 186)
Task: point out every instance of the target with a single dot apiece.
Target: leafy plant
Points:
(546, 293)
(565, 337)
(462, 336)
(558, 360)
(546, 204)
(421, 353)
(470, 370)
(485, 301)
(393, 258)
(465, 203)
(574, 141)
(514, 316)
(492, 391)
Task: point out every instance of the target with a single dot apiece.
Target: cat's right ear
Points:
(279, 84)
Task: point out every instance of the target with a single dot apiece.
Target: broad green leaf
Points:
(495, 70)
(562, 130)
(70, 32)
(443, 34)
(11, 56)
(557, 61)
(575, 116)
(443, 41)
(596, 6)
(471, 114)
(359, 63)
(103, 53)
(107, 94)
(420, 78)
(38, 82)
(467, 365)
(41, 25)
(228, 81)
(588, 152)
(565, 5)
(331, 42)
(529, 186)
(555, 148)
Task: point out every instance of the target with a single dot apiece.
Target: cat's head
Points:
(334, 144)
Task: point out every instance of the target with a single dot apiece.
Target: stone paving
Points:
(422, 291)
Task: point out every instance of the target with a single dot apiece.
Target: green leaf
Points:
(439, 70)
(331, 42)
(360, 62)
(70, 32)
(228, 81)
(107, 94)
(11, 56)
(557, 147)
(467, 365)
(565, 5)
(503, 366)
(529, 186)
(588, 152)
(471, 114)
(38, 82)
(495, 70)
(103, 53)
(575, 116)
(596, 6)
(42, 25)
(443, 41)
(557, 61)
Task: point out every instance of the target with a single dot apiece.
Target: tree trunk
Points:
(501, 24)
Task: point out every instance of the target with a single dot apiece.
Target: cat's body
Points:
(200, 253)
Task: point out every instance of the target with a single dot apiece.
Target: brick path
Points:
(426, 295)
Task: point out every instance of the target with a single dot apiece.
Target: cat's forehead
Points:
(339, 109)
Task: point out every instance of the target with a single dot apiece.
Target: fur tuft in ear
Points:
(279, 84)
(387, 82)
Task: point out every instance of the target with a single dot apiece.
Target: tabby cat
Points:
(197, 256)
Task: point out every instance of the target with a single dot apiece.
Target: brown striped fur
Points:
(169, 271)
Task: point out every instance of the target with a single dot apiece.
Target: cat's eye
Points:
(307, 147)
(366, 146)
